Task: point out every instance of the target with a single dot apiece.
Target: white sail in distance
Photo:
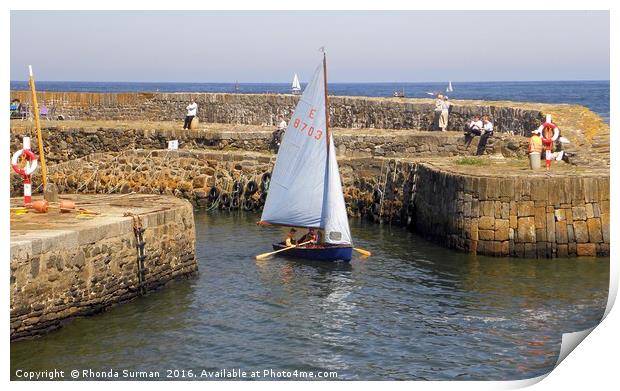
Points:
(449, 89)
(296, 86)
(305, 188)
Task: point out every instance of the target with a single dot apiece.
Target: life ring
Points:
(251, 188)
(31, 165)
(556, 130)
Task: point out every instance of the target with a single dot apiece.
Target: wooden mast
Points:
(327, 131)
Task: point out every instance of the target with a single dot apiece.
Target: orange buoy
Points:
(40, 206)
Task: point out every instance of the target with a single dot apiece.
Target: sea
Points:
(592, 94)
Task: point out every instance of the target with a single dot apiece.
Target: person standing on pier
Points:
(278, 134)
(192, 109)
(438, 109)
(443, 117)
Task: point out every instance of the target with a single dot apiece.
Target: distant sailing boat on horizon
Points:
(449, 89)
(305, 189)
(296, 87)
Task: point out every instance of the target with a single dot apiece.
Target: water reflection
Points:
(411, 311)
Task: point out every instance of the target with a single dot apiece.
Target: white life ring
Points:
(31, 164)
(556, 130)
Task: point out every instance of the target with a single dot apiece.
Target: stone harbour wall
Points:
(533, 216)
(263, 109)
(64, 144)
(86, 269)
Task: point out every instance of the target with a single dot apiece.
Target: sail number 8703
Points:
(305, 128)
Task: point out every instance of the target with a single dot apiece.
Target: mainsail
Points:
(296, 86)
(449, 89)
(305, 188)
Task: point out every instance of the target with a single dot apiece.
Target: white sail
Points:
(305, 188)
(449, 89)
(295, 195)
(296, 86)
(335, 219)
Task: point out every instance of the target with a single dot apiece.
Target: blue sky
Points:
(267, 46)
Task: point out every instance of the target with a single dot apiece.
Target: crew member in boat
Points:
(290, 238)
(312, 236)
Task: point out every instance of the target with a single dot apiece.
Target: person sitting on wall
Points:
(474, 127)
(192, 108)
(290, 238)
(278, 134)
(487, 132)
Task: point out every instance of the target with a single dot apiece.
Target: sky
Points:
(268, 46)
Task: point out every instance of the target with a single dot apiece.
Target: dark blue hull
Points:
(331, 253)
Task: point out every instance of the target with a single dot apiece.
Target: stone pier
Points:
(69, 264)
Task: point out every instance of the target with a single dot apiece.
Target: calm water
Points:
(592, 94)
(411, 311)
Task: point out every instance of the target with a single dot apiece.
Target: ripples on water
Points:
(411, 311)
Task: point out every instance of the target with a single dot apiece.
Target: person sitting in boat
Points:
(290, 238)
(312, 237)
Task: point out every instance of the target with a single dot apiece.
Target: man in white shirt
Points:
(437, 112)
(192, 109)
(278, 134)
(474, 127)
(487, 132)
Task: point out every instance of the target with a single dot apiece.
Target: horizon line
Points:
(334, 82)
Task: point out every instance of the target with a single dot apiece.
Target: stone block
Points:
(550, 226)
(586, 249)
(486, 222)
(485, 234)
(513, 221)
(529, 250)
(526, 230)
(581, 231)
(540, 217)
(579, 213)
(487, 208)
(541, 235)
(560, 215)
(605, 226)
(594, 230)
(502, 229)
(505, 213)
(525, 209)
(589, 211)
(561, 234)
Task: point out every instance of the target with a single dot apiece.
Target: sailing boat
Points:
(449, 89)
(305, 189)
(296, 87)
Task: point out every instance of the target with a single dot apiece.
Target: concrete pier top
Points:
(35, 233)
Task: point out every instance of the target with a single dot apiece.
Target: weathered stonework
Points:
(63, 267)
(66, 143)
(263, 109)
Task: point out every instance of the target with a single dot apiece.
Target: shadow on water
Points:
(412, 310)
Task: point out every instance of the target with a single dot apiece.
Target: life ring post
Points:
(27, 170)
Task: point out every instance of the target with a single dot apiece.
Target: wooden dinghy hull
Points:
(329, 253)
